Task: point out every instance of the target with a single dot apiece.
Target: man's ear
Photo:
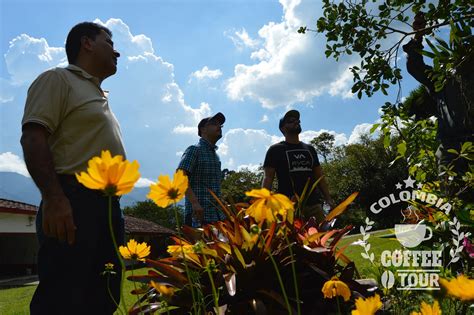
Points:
(86, 43)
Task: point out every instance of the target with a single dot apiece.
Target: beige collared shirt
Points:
(70, 104)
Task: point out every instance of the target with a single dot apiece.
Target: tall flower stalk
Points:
(122, 264)
(135, 251)
(164, 193)
(280, 280)
(293, 270)
(115, 177)
(271, 207)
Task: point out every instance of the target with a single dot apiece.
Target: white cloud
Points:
(244, 147)
(205, 73)
(264, 119)
(361, 129)
(6, 91)
(155, 119)
(250, 167)
(133, 45)
(291, 68)
(143, 182)
(342, 86)
(182, 129)
(10, 162)
(27, 57)
(339, 138)
(242, 39)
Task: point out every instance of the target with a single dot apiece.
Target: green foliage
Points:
(363, 28)
(222, 261)
(148, 210)
(236, 183)
(414, 139)
(364, 167)
(324, 144)
(406, 127)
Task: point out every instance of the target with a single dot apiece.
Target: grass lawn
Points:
(16, 300)
(378, 245)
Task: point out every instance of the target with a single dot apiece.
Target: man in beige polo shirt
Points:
(67, 121)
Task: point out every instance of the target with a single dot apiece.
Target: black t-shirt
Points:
(293, 164)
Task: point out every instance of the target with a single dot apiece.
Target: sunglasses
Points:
(291, 120)
(215, 123)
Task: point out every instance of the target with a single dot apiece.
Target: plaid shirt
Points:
(203, 166)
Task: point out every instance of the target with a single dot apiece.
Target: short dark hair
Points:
(73, 41)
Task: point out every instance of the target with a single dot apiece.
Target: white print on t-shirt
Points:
(299, 160)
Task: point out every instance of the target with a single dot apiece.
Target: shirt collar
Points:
(83, 73)
(210, 145)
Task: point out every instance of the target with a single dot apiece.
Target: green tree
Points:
(365, 27)
(364, 167)
(324, 144)
(236, 183)
(148, 210)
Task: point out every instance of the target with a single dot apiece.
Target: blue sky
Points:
(185, 60)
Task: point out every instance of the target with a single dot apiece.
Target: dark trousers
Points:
(71, 280)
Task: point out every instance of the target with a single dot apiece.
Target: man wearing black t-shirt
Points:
(295, 164)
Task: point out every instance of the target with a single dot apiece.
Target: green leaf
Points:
(428, 54)
(442, 43)
(386, 141)
(374, 127)
(433, 48)
(466, 146)
(402, 148)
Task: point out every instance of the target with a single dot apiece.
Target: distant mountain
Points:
(137, 194)
(17, 187)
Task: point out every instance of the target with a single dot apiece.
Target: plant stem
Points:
(188, 273)
(213, 286)
(338, 306)
(111, 295)
(295, 281)
(122, 265)
(138, 295)
(285, 296)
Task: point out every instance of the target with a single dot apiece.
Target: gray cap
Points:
(219, 117)
(291, 113)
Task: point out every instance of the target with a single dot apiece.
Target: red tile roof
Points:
(11, 206)
(138, 226)
(133, 225)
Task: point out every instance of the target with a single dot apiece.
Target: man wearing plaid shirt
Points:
(202, 165)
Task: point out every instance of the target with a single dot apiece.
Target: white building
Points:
(18, 243)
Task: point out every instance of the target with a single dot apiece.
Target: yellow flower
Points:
(335, 287)
(109, 266)
(427, 309)
(134, 250)
(164, 290)
(165, 192)
(368, 306)
(175, 250)
(186, 248)
(113, 175)
(269, 205)
(462, 287)
(249, 239)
